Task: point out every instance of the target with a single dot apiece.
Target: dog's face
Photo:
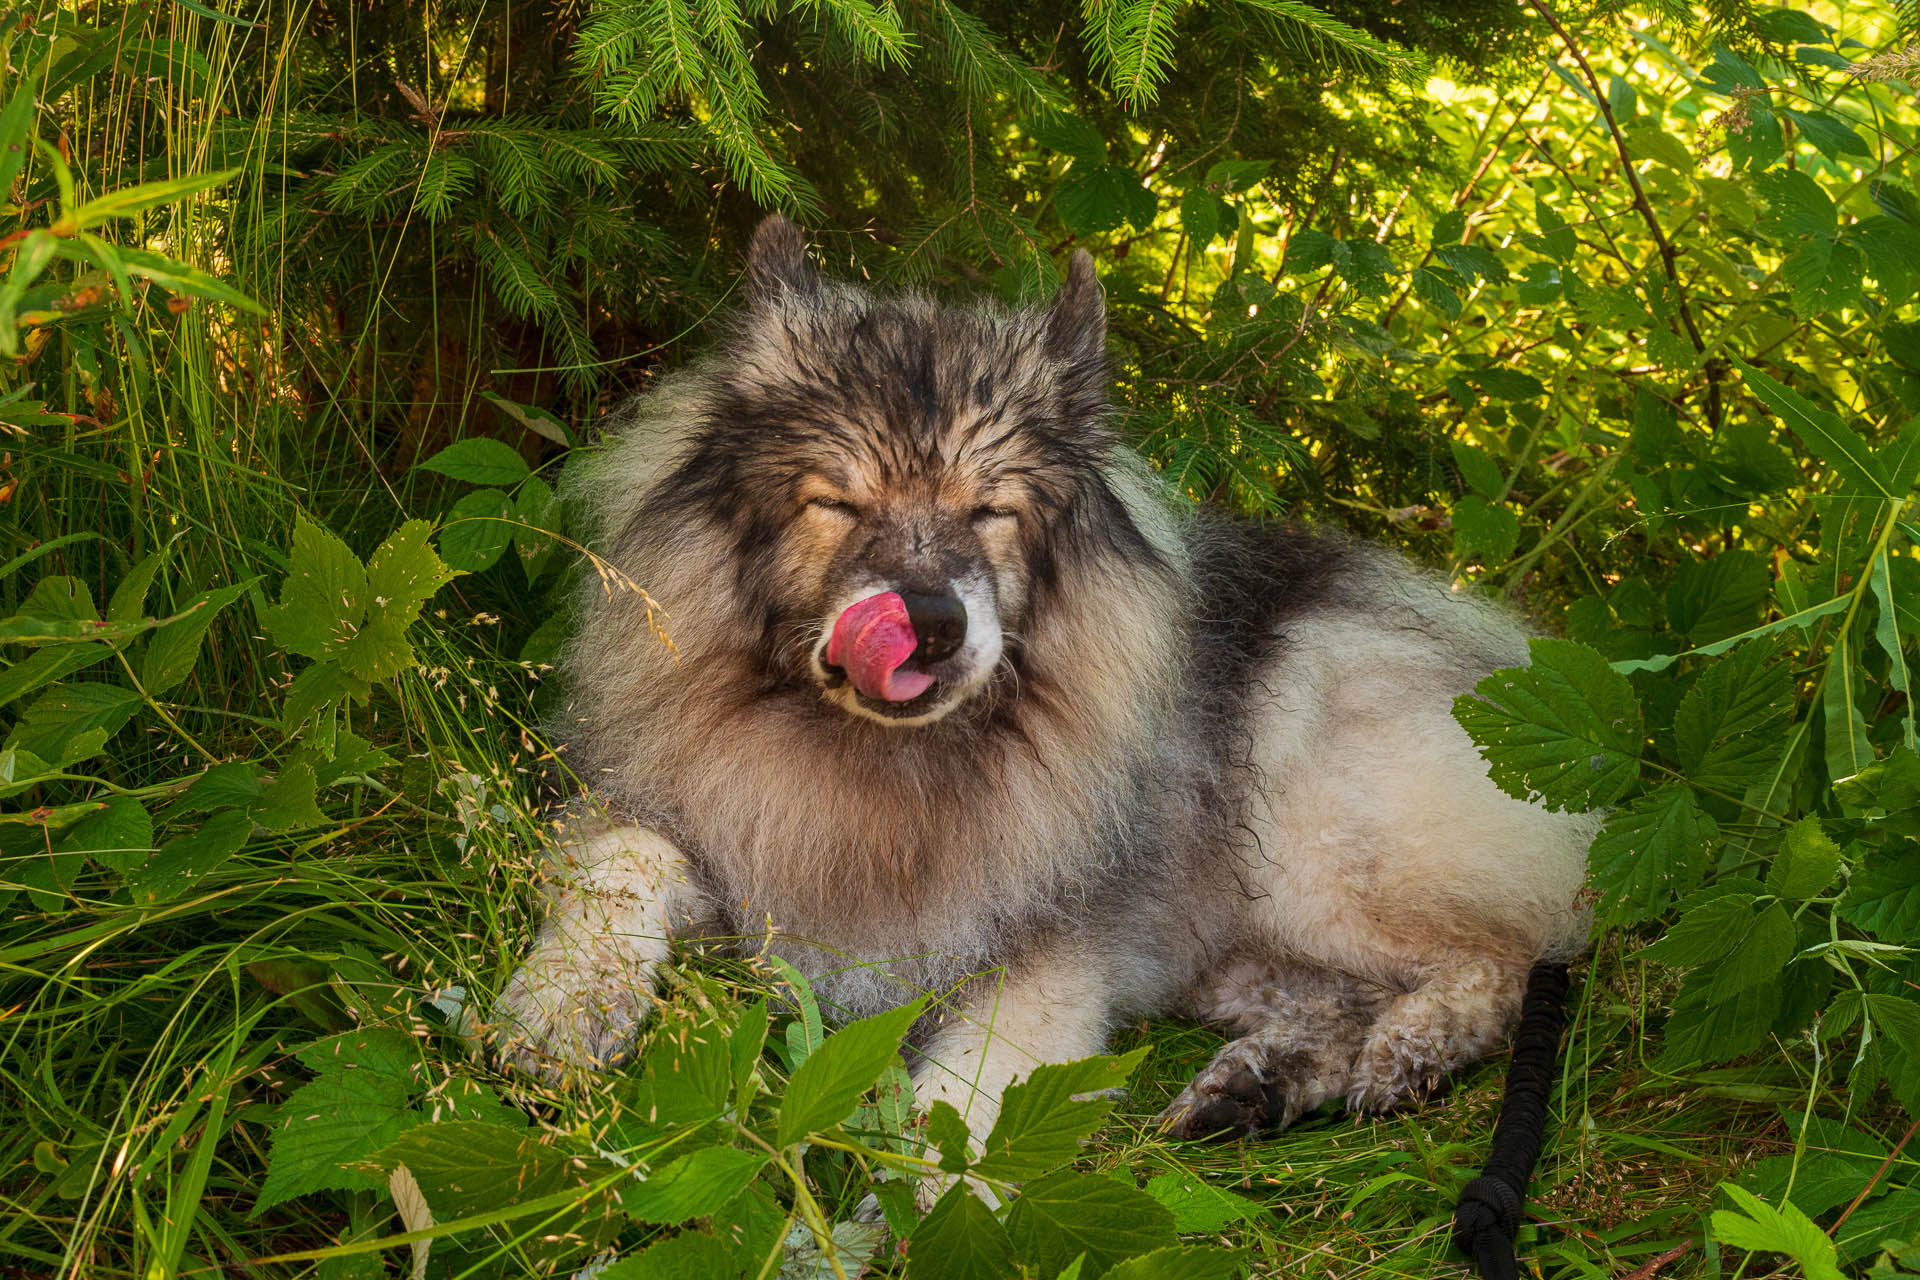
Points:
(898, 478)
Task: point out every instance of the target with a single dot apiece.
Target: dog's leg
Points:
(1456, 1016)
(1301, 1029)
(1053, 1008)
(576, 1002)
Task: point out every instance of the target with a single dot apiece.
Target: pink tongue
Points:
(870, 641)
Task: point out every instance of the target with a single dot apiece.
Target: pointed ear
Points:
(1077, 320)
(777, 261)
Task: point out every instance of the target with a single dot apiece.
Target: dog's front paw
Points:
(1247, 1087)
(555, 1019)
(1396, 1068)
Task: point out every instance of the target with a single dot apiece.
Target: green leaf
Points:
(478, 531)
(825, 1088)
(288, 802)
(220, 787)
(1849, 749)
(119, 836)
(465, 1167)
(1480, 471)
(1070, 136)
(1857, 469)
(531, 417)
(690, 1255)
(947, 1132)
(1040, 1126)
(1197, 1207)
(403, 574)
(1309, 250)
(1649, 853)
(1753, 1224)
(1832, 136)
(960, 1239)
(694, 1186)
(1883, 896)
(1758, 957)
(1565, 730)
(1729, 71)
(185, 860)
(1726, 729)
(480, 460)
(1718, 597)
(16, 130)
(1103, 198)
(1886, 633)
(175, 647)
(1484, 531)
(1206, 217)
(1473, 262)
(1717, 1030)
(1705, 932)
(358, 1104)
(1646, 138)
(43, 667)
(1069, 1214)
(687, 1077)
(324, 597)
(1802, 618)
(72, 722)
(1432, 288)
(1188, 1262)
(128, 201)
(1806, 864)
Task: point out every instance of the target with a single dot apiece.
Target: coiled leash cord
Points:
(1488, 1219)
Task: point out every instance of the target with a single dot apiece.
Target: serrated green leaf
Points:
(1197, 1207)
(1070, 1214)
(403, 574)
(1832, 136)
(119, 836)
(696, 1185)
(686, 1078)
(43, 667)
(1761, 1227)
(1806, 863)
(184, 861)
(1187, 1262)
(825, 1088)
(72, 722)
(690, 1255)
(1103, 198)
(175, 647)
(1718, 597)
(324, 597)
(1883, 896)
(1040, 1126)
(465, 1167)
(1717, 1031)
(1565, 729)
(480, 460)
(287, 803)
(1706, 932)
(1726, 729)
(1758, 957)
(1070, 136)
(960, 1239)
(1648, 854)
(1433, 289)
(360, 1102)
(947, 1132)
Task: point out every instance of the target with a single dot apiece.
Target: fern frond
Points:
(985, 68)
(1327, 39)
(1142, 48)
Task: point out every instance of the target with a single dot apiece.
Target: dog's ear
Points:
(1077, 320)
(777, 261)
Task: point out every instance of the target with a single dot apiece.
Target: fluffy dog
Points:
(965, 701)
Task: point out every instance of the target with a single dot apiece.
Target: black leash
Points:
(1488, 1219)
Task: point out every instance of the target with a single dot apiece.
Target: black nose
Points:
(940, 622)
